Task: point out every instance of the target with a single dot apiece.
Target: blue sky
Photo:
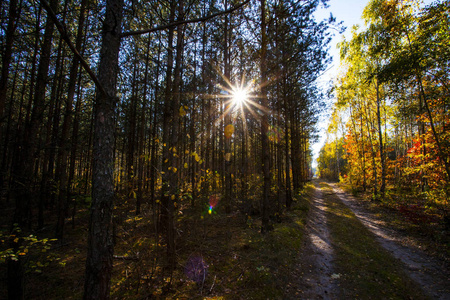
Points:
(348, 11)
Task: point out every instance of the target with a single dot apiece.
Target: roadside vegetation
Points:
(401, 212)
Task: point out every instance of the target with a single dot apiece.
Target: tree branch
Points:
(62, 30)
(134, 258)
(202, 19)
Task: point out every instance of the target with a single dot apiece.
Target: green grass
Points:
(367, 271)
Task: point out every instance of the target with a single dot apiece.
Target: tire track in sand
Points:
(431, 274)
(313, 276)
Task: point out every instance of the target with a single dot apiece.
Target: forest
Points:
(389, 129)
(162, 149)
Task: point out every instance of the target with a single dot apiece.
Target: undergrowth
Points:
(412, 212)
(219, 256)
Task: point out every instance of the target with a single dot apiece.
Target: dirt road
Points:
(316, 258)
(315, 278)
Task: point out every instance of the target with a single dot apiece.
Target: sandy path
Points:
(313, 276)
(432, 275)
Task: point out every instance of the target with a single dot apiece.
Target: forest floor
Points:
(330, 245)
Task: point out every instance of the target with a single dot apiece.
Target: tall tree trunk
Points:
(227, 119)
(193, 165)
(74, 148)
(165, 202)
(13, 14)
(5, 161)
(100, 240)
(370, 127)
(61, 171)
(380, 141)
(131, 131)
(141, 133)
(23, 166)
(265, 225)
(153, 159)
(173, 158)
(442, 156)
(294, 143)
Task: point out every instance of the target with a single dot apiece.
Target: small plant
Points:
(15, 247)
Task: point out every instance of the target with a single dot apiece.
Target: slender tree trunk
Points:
(13, 14)
(265, 226)
(373, 152)
(286, 147)
(100, 240)
(193, 165)
(153, 159)
(174, 145)
(131, 132)
(165, 197)
(61, 172)
(294, 149)
(141, 135)
(227, 120)
(380, 141)
(74, 149)
(360, 146)
(442, 156)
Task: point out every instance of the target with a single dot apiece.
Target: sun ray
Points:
(240, 100)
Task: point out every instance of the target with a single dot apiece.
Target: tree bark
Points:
(141, 134)
(14, 12)
(174, 145)
(163, 218)
(265, 225)
(380, 141)
(227, 118)
(100, 240)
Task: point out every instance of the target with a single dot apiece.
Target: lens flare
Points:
(229, 130)
(196, 269)
(213, 201)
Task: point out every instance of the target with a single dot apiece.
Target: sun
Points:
(239, 96)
